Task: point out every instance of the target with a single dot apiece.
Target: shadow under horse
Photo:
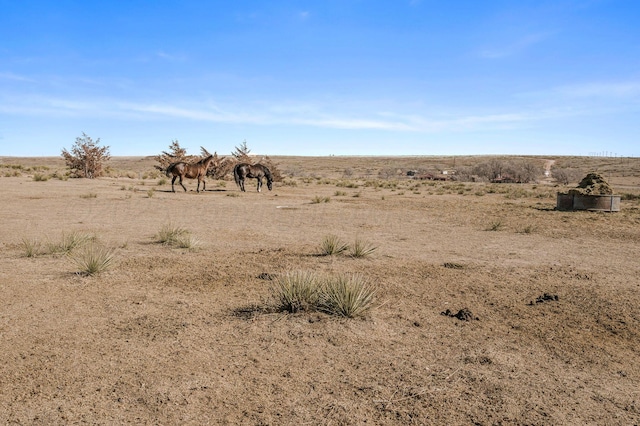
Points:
(190, 171)
(252, 171)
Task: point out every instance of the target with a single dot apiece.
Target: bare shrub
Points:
(175, 154)
(564, 176)
(87, 158)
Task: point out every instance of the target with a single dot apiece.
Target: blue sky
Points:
(325, 77)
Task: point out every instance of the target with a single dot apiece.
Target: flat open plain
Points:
(177, 336)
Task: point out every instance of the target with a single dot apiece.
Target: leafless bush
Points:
(176, 153)
(564, 176)
(87, 158)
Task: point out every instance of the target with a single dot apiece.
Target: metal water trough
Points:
(599, 203)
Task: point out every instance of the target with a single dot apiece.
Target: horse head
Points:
(267, 174)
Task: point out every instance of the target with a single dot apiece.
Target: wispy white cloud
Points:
(514, 47)
(170, 57)
(304, 15)
(356, 116)
(627, 89)
(15, 77)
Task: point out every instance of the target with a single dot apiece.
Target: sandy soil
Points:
(175, 336)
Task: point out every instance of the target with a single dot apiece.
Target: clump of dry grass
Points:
(332, 245)
(296, 291)
(528, 229)
(32, 247)
(40, 177)
(177, 236)
(349, 296)
(495, 226)
(188, 241)
(169, 234)
(361, 248)
(318, 199)
(93, 259)
(69, 242)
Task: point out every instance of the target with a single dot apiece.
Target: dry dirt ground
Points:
(178, 336)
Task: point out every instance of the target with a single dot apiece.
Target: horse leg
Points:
(204, 185)
(259, 184)
(172, 181)
(182, 185)
(242, 184)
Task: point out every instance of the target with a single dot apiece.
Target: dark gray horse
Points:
(190, 171)
(255, 171)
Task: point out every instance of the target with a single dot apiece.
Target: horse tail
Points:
(169, 170)
(236, 174)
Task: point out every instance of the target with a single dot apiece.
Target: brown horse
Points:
(190, 171)
(257, 171)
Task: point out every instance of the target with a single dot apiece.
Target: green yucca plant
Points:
(332, 244)
(347, 295)
(93, 259)
(361, 248)
(296, 291)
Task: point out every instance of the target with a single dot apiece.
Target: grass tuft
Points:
(94, 259)
(69, 242)
(332, 245)
(296, 291)
(361, 248)
(318, 199)
(495, 226)
(39, 177)
(187, 241)
(170, 234)
(528, 229)
(32, 247)
(349, 296)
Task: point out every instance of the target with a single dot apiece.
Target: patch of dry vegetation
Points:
(535, 324)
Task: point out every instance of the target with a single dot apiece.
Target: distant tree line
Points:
(497, 170)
